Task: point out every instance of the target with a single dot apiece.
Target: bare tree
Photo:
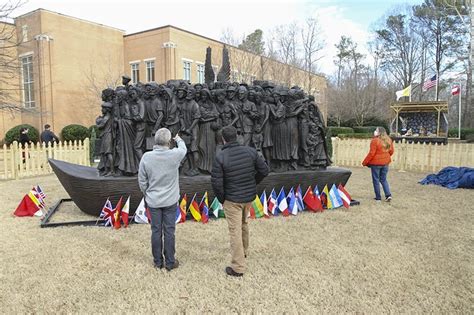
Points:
(9, 64)
(312, 45)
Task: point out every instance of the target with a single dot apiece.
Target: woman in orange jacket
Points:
(378, 158)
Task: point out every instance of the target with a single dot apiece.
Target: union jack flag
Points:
(40, 192)
(107, 213)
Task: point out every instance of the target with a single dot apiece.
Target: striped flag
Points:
(194, 209)
(325, 198)
(430, 83)
(291, 200)
(272, 203)
(40, 192)
(299, 199)
(334, 197)
(346, 198)
(282, 204)
(178, 214)
(182, 208)
(125, 212)
(257, 207)
(204, 208)
(263, 200)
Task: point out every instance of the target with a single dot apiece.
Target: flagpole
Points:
(437, 82)
(459, 108)
(409, 96)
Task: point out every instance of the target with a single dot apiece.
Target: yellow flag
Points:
(405, 92)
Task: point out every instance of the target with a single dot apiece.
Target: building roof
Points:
(69, 17)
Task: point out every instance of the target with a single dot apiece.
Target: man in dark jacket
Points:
(48, 136)
(235, 174)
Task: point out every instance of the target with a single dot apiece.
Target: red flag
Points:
(26, 208)
(312, 201)
(118, 213)
(455, 90)
(346, 198)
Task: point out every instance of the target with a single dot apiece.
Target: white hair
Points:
(162, 136)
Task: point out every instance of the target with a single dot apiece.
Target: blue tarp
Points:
(452, 178)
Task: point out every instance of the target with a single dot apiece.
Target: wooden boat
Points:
(89, 191)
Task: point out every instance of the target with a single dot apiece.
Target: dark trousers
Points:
(379, 176)
(163, 225)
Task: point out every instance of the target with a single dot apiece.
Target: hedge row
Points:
(453, 132)
(69, 133)
(14, 134)
(336, 131)
(356, 135)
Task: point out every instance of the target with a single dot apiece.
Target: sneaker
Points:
(377, 200)
(231, 272)
(388, 199)
(174, 266)
(159, 266)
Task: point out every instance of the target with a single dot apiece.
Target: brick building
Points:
(64, 63)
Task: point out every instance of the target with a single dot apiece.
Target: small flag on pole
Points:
(204, 208)
(346, 198)
(141, 214)
(299, 199)
(291, 200)
(272, 203)
(334, 197)
(216, 207)
(194, 209)
(312, 201)
(118, 214)
(325, 198)
(107, 213)
(263, 200)
(125, 212)
(257, 207)
(182, 208)
(282, 203)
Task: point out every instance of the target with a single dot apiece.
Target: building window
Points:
(24, 33)
(187, 70)
(150, 71)
(135, 73)
(200, 73)
(28, 83)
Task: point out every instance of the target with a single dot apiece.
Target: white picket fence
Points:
(407, 156)
(17, 162)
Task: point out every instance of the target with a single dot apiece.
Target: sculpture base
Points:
(89, 191)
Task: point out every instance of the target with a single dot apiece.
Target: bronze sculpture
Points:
(284, 125)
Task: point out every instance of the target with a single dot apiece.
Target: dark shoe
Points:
(174, 266)
(388, 199)
(231, 272)
(159, 266)
(377, 200)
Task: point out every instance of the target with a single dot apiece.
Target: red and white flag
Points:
(346, 198)
(455, 89)
(125, 212)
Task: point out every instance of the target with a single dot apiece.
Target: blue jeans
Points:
(163, 225)
(379, 176)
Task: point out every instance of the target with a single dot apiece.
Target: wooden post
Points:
(403, 155)
(86, 147)
(334, 150)
(13, 157)
(439, 116)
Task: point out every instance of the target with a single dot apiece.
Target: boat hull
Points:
(89, 191)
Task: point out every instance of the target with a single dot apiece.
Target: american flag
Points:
(430, 83)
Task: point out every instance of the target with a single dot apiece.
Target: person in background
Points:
(48, 136)
(378, 159)
(158, 179)
(24, 141)
(236, 171)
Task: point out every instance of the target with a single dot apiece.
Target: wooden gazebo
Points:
(439, 108)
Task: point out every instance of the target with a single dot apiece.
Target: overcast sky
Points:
(209, 18)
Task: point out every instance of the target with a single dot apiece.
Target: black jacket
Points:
(236, 172)
(49, 136)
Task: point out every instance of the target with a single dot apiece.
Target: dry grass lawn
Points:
(414, 255)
